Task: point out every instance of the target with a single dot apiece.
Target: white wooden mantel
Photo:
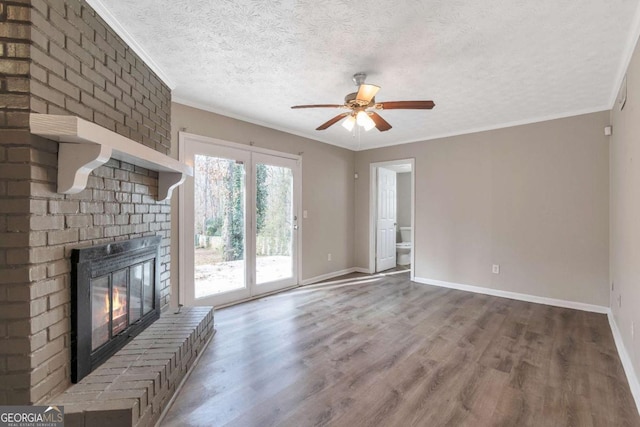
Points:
(84, 146)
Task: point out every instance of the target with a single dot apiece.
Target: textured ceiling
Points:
(486, 64)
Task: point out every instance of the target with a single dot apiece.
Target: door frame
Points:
(373, 204)
(183, 139)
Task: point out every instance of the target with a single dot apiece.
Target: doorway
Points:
(391, 217)
(239, 234)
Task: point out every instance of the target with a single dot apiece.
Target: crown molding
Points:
(499, 126)
(119, 29)
(205, 107)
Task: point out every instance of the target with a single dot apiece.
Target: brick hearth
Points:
(136, 384)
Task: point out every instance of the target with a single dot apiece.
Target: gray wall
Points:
(531, 198)
(327, 182)
(403, 192)
(625, 212)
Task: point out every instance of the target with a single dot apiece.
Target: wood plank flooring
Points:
(389, 352)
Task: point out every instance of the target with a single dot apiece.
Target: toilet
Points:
(403, 249)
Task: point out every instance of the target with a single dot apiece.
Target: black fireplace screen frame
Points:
(96, 261)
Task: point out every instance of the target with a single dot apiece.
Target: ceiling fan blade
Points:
(405, 105)
(320, 106)
(381, 123)
(367, 92)
(332, 121)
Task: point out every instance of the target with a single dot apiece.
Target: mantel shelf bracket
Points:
(75, 164)
(84, 146)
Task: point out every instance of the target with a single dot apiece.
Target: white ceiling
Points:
(486, 64)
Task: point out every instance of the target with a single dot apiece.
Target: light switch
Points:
(304, 214)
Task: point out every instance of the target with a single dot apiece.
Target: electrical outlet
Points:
(328, 257)
(496, 269)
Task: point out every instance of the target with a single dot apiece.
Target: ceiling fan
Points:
(360, 102)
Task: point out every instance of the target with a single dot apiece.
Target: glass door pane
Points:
(219, 225)
(100, 309)
(119, 302)
(135, 293)
(274, 255)
(274, 223)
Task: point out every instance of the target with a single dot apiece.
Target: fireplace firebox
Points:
(114, 296)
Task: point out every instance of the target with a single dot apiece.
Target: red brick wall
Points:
(79, 66)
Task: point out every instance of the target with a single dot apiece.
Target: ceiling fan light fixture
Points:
(357, 104)
(368, 126)
(365, 121)
(349, 123)
(366, 92)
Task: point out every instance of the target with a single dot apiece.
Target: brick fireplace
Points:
(114, 296)
(59, 57)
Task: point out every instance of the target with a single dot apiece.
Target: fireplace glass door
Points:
(100, 311)
(135, 287)
(119, 302)
(120, 299)
(115, 295)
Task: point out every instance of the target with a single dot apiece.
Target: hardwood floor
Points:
(389, 352)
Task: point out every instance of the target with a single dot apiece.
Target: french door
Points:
(238, 222)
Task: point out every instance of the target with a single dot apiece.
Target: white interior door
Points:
(238, 224)
(386, 220)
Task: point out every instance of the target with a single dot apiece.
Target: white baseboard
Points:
(362, 270)
(515, 295)
(629, 371)
(328, 276)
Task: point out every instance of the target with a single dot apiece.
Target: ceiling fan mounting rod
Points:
(359, 78)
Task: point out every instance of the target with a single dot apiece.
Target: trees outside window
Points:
(219, 203)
